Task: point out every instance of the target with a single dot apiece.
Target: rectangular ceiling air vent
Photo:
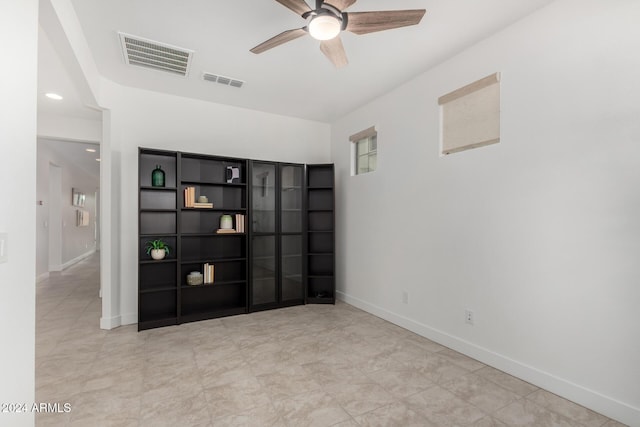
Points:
(227, 81)
(156, 55)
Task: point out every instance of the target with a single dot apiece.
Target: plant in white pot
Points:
(158, 249)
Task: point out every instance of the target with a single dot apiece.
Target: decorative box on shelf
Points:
(195, 278)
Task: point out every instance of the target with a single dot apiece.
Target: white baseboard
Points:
(116, 321)
(129, 319)
(110, 322)
(43, 276)
(77, 259)
(598, 402)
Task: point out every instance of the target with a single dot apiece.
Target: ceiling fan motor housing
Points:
(326, 22)
(325, 9)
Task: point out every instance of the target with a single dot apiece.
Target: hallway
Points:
(69, 340)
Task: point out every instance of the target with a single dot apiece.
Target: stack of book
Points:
(240, 223)
(209, 271)
(189, 197)
(202, 205)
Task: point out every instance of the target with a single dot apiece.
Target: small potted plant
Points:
(158, 249)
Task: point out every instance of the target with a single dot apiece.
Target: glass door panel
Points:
(264, 197)
(264, 274)
(291, 265)
(291, 199)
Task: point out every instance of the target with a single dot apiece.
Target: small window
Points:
(365, 151)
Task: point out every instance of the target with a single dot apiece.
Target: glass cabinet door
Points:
(291, 199)
(264, 252)
(277, 239)
(291, 183)
(291, 265)
(263, 197)
(264, 274)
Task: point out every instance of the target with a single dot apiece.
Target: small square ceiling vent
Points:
(227, 81)
(156, 55)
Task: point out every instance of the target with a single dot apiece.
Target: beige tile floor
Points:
(313, 365)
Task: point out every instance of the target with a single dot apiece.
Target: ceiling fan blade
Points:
(341, 5)
(334, 50)
(281, 38)
(370, 22)
(298, 6)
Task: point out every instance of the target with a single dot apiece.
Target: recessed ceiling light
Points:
(90, 150)
(54, 96)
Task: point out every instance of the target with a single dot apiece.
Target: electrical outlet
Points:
(4, 249)
(405, 297)
(469, 317)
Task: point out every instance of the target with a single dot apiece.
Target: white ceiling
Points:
(294, 79)
(54, 77)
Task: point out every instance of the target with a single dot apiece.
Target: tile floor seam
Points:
(562, 417)
(483, 410)
(556, 412)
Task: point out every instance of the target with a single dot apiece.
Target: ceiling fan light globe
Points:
(324, 27)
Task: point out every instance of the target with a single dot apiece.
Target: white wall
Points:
(18, 21)
(76, 241)
(539, 234)
(141, 118)
(69, 128)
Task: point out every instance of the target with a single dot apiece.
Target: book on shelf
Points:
(226, 231)
(189, 197)
(202, 205)
(209, 273)
(240, 223)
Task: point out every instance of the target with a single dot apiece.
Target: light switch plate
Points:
(4, 247)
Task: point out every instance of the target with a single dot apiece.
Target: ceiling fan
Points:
(329, 19)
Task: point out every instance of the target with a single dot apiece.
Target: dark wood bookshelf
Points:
(164, 297)
(320, 249)
(284, 257)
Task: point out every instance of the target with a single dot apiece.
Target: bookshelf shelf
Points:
(157, 261)
(164, 289)
(214, 184)
(211, 260)
(156, 210)
(214, 209)
(212, 234)
(206, 285)
(149, 188)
